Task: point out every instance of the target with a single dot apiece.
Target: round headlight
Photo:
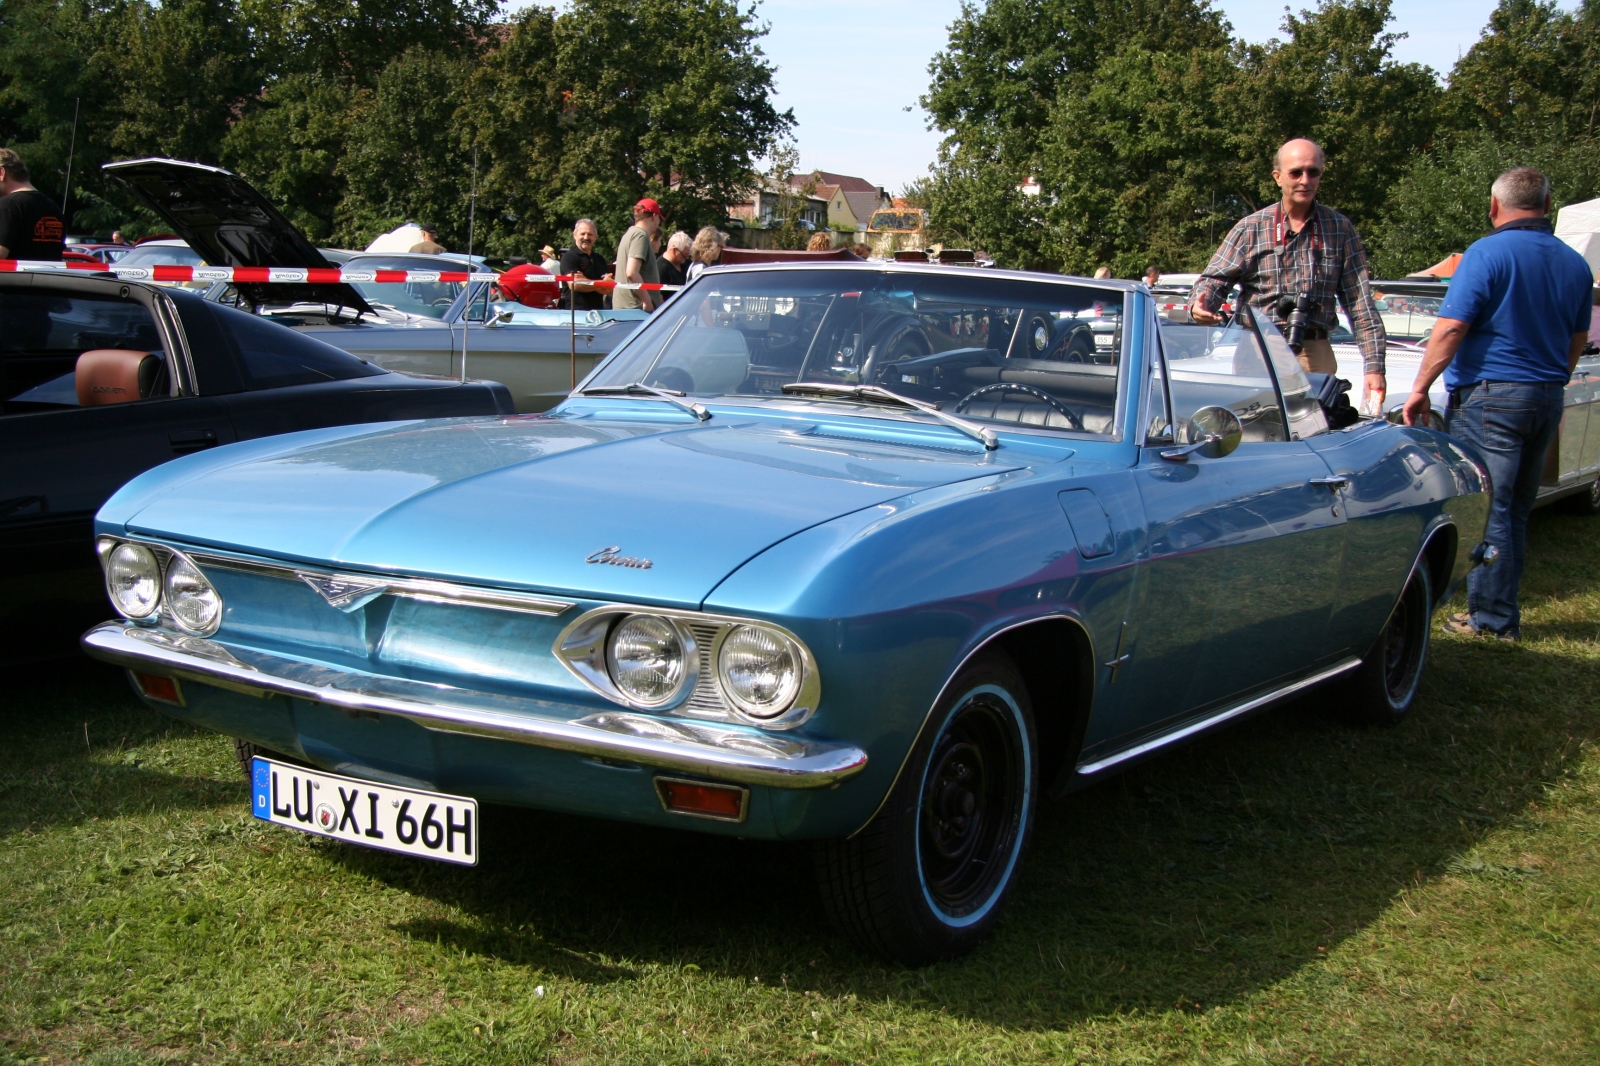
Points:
(646, 659)
(760, 670)
(190, 597)
(133, 580)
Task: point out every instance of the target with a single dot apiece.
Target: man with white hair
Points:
(1513, 325)
(675, 260)
(1299, 247)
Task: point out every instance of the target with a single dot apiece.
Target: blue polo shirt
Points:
(1523, 293)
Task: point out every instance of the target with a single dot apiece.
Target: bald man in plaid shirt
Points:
(1298, 246)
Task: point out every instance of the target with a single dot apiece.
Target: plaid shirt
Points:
(1325, 258)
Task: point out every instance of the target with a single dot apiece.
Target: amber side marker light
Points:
(161, 689)
(722, 803)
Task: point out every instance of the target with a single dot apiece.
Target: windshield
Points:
(1407, 317)
(429, 299)
(149, 255)
(162, 255)
(991, 349)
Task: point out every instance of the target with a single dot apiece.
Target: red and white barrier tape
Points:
(304, 275)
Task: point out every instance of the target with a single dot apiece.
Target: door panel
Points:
(60, 467)
(535, 362)
(418, 347)
(1574, 426)
(1393, 480)
(1244, 555)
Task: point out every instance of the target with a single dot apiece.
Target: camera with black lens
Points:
(1296, 312)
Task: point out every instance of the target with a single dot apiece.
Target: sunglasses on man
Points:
(1307, 172)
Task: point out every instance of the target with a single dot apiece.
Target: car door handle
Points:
(185, 441)
(1335, 483)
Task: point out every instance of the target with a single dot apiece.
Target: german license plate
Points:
(430, 824)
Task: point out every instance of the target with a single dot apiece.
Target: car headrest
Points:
(114, 375)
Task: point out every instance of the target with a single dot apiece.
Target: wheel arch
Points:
(1061, 698)
(1440, 549)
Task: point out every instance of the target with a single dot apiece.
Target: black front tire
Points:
(1383, 689)
(245, 751)
(1587, 502)
(927, 878)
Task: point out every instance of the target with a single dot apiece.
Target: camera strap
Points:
(1282, 233)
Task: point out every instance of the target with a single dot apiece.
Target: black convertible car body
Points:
(103, 379)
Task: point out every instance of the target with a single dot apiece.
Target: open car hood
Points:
(533, 502)
(229, 223)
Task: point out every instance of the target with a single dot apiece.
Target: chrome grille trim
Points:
(706, 700)
(411, 588)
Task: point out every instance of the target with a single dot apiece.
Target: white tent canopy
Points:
(401, 239)
(1579, 226)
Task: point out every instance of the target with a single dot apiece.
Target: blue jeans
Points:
(1511, 424)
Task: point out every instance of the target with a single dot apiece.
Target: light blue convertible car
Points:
(867, 554)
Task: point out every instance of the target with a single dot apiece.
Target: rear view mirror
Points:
(1213, 432)
(1216, 431)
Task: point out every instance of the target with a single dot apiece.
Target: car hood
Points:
(579, 506)
(224, 218)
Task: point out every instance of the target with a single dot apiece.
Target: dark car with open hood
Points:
(413, 324)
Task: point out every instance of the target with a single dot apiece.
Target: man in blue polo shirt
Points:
(1511, 330)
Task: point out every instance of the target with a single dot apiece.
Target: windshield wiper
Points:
(649, 392)
(878, 394)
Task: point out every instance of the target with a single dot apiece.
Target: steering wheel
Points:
(1073, 421)
(902, 343)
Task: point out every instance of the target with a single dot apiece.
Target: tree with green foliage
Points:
(1161, 131)
(1145, 166)
(1526, 94)
(997, 85)
(1334, 79)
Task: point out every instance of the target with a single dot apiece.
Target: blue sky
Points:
(850, 69)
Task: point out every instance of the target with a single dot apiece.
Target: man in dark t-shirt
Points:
(31, 226)
(582, 259)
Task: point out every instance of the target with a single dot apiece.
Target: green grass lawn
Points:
(1289, 891)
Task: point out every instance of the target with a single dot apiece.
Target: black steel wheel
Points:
(1383, 689)
(927, 878)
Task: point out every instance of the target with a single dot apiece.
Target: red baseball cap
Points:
(647, 206)
(515, 284)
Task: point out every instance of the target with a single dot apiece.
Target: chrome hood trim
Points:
(724, 753)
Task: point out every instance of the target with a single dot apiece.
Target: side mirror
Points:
(1214, 431)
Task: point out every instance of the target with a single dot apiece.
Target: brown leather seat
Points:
(114, 375)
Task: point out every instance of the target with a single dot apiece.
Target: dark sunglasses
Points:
(1310, 172)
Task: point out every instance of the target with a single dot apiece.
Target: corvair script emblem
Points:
(610, 557)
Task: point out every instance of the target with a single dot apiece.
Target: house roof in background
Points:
(862, 204)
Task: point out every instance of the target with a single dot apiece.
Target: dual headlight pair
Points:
(139, 584)
(648, 659)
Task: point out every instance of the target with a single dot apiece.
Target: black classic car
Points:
(103, 379)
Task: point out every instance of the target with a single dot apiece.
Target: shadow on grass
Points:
(73, 746)
(1194, 880)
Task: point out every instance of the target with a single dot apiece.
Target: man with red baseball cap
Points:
(636, 260)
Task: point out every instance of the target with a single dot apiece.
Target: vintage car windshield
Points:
(1407, 317)
(991, 349)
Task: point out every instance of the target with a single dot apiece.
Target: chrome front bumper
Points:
(726, 753)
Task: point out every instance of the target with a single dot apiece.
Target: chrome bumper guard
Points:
(738, 754)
